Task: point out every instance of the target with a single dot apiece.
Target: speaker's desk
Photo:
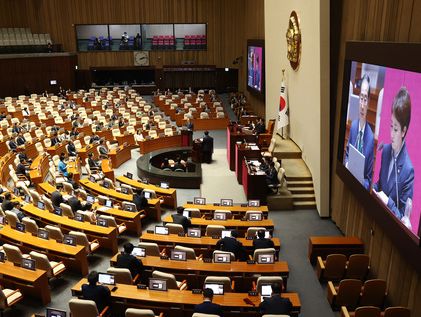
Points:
(74, 257)
(238, 211)
(32, 283)
(153, 204)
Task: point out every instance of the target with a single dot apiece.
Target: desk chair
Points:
(363, 311)
(346, 294)
(172, 283)
(373, 293)
(48, 203)
(128, 187)
(229, 286)
(12, 218)
(174, 228)
(85, 308)
(151, 249)
(269, 152)
(194, 212)
(19, 180)
(263, 251)
(261, 280)
(35, 196)
(53, 269)
(112, 223)
(190, 253)
(9, 298)
(30, 225)
(68, 188)
(54, 233)
(109, 182)
(67, 210)
(333, 268)
(228, 213)
(396, 312)
(204, 315)
(252, 231)
(249, 212)
(81, 239)
(124, 205)
(357, 266)
(134, 312)
(14, 254)
(123, 276)
(214, 230)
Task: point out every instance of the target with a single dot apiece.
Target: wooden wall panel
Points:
(375, 20)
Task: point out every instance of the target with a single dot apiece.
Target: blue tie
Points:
(360, 141)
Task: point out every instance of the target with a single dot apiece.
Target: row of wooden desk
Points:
(181, 303)
(238, 211)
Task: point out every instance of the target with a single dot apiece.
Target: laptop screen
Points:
(90, 199)
(194, 232)
(254, 203)
(92, 179)
(108, 203)
(165, 185)
(199, 201)
(225, 233)
(52, 312)
(102, 222)
(157, 284)
(220, 216)
(79, 217)
(41, 205)
(69, 240)
(265, 258)
(226, 202)
(255, 216)
(161, 230)
(1, 220)
(124, 190)
(129, 175)
(221, 257)
(218, 289)
(128, 207)
(28, 264)
(106, 185)
(43, 234)
(138, 251)
(105, 278)
(186, 213)
(16, 191)
(20, 227)
(1, 257)
(147, 195)
(178, 255)
(266, 290)
(27, 199)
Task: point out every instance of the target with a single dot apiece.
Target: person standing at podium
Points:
(207, 148)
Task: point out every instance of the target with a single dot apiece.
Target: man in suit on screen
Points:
(360, 135)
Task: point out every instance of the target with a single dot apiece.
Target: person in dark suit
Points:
(395, 186)
(55, 140)
(72, 181)
(207, 148)
(275, 304)
(103, 151)
(93, 164)
(56, 198)
(94, 138)
(7, 204)
(12, 144)
(16, 129)
(259, 127)
(139, 200)
(20, 140)
(261, 242)
(126, 260)
(207, 307)
(100, 294)
(76, 204)
(231, 244)
(360, 134)
(71, 149)
(21, 169)
(178, 165)
(271, 176)
(178, 218)
(189, 125)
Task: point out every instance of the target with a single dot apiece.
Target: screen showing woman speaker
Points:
(382, 147)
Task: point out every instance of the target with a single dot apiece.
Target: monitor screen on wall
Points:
(256, 67)
(379, 139)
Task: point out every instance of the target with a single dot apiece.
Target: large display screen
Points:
(381, 146)
(256, 67)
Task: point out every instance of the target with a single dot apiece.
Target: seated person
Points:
(178, 218)
(12, 144)
(231, 244)
(126, 260)
(20, 140)
(139, 200)
(207, 307)
(55, 140)
(272, 176)
(22, 169)
(103, 150)
(71, 148)
(138, 136)
(165, 164)
(7, 203)
(62, 166)
(265, 164)
(100, 294)
(261, 242)
(275, 304)
(93, 164)
(94, 138)
(76, 204)
(74, 132)
(259, 127)
(178, 165)
(57, 198)
(16, 129)
(72, 182)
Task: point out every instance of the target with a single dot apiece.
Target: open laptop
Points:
(41, 205)
(227, 202)
(255, 216)
(52, 312)
(253, 203)
(43, 234)
(266, 258)
(217, 288)
(157, 284)
(225, 233)
(1, 257)
(147, 195)
(194, 232)
(102, 222)
(109, 204)
(28, 264)
(199, 201)
(20, 227)
(186, 213)
(165, 185)
(161, 230)
(90, 199)
(129, 175)
(356, 163)
(138, 251)
(69, 240)
(106, 279)
(178, 255)
(220, 216)
(265, 291)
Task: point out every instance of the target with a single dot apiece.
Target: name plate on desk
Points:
(251, 262)
(181, 234)
(164, 257)
(196, 291)
(207, 260)
(249, 238)
(215, 237)
(253, 293)
(150, 231)
(141, 286)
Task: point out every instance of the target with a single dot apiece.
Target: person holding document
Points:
(395, 186)
(360, 135)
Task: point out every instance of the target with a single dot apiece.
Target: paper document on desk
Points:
(103, 209)
(254, 147)
(260, 173)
